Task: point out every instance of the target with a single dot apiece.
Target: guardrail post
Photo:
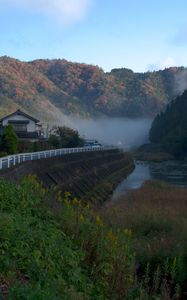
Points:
(1, 163)
(8, 162)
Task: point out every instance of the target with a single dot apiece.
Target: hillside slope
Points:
(169, 128)
(47, 88)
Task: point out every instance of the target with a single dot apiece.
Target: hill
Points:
(169, 128)
(50, 88)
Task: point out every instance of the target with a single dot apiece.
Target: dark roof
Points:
(19, 112)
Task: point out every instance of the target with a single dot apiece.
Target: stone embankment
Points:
(89, 176)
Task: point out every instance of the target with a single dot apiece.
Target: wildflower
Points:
(81, 218)
(127, 232)
(76, 202)
(112, 237)
(88, 206)
(67, 195)
(99, 222)
(59, 196)
(67, 202)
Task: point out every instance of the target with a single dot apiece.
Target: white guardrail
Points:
(12, 160)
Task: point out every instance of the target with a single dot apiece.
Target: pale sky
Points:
(137, 34)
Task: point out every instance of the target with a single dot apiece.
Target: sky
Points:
(140, 35)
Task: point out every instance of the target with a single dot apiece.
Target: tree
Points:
(54, 141)
(67, 137)
(169, 128)
(10, 140)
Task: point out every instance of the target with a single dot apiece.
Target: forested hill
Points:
(169, 128)
(46, 88)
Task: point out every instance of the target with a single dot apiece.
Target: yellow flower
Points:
(76, 202)
(59, 196)
(99, 222)
(127, 232)
(81, 218)
(112, 237)
(88, 206)
(67, 194)
(67, 202)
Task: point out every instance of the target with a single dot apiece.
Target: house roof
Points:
(21, 113)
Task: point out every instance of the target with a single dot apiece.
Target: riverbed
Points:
(172, 172)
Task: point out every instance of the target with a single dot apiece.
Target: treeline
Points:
(60, 137)
(169, 128)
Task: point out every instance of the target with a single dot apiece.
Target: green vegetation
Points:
(157, 216)
(169, 128)
(9, 141)
(62, 137)
(65, 137)
(65, 250)
(48, 88)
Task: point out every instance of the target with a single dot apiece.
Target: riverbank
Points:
(172, 172)
(151, 152)
(157, 215)
(88, 176)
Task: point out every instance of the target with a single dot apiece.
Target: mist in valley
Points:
(123, 132)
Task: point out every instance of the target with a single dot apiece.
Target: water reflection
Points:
(173, 172)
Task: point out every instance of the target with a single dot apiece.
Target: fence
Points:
(12, 160)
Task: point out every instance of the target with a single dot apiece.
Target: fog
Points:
(123, 132)
(181, 82)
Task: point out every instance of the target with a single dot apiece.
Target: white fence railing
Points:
(12, 160)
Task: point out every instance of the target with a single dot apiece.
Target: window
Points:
(20, 127)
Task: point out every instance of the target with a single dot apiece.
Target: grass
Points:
(157, 216)
(67, 251)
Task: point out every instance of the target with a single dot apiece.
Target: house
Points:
(25, 126)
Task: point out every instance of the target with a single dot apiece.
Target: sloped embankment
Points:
(90, 176)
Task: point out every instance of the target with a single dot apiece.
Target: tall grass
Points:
(69, 252)
(157, 216)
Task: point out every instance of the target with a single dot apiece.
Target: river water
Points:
(172, 172)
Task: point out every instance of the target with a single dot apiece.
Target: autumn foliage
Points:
(50, 87)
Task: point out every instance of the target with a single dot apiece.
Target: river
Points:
(172, 172)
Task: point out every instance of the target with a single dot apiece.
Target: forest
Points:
(169, 128)
(51, 88)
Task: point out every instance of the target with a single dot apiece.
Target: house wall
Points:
(31, 126)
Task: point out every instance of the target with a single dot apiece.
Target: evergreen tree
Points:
(169, 128)
(10, 140)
